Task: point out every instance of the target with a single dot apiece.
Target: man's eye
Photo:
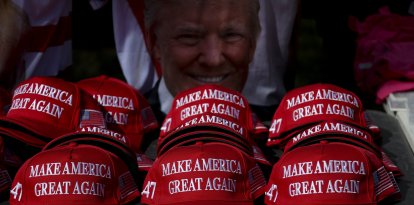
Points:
(188, 39)
(232, 37)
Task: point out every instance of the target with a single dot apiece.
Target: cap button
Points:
(324, 142)
(72, 144)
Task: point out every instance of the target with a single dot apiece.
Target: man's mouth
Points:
(210, 79)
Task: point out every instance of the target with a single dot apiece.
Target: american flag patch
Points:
(127, 185)
(258, 126)
(387, 160)
(384, 181)
(144, 162)
(92, 118)
(259, 156)
(256, 179)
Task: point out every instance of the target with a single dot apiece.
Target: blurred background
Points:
(325, 46)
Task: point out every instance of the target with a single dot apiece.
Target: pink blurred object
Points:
(385, 45)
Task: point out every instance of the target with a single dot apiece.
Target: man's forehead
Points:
(200, 4)
(195, 27)
(194, 10)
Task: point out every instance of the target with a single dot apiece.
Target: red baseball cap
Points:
(330, 173)
(93, 133)
(203, 173)
(211, 106)
(329, 128)
(211, 135)
(372, 147)
(194, 134)
(74, 174)
(336, 131)
(316, 103)
(125, 107)
(44, 108)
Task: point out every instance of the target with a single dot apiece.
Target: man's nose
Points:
(211, 52)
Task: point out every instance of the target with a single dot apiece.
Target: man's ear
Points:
(152, 45)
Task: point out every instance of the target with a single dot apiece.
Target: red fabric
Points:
(303, 117)
(73, 174)
(41, 38)
(213, 108)
(204, 135)
(316, 103)
(329, 128)
(329, 173)
(98, 136)
(385, 44)
(230, 108)
(203, 173)
(44, 108)
(127, 111)
(393, 86)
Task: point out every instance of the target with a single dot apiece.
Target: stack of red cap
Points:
(330, 173)
(203, 173)
(126, 109)
(207, 147)
(41, 109)
(78, 168)
(211, 111)
(127, 112)
(328, 149)
(320, 111)
(44, 108)
(307, 105)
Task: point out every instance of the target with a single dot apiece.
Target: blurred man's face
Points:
(204, 42)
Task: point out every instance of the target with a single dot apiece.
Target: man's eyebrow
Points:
(234, 26)
(188, 29)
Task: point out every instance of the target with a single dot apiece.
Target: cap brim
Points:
(24, 135)
(102, 141)
(286, 135)
(196, 130)
(323, 134)
(37, 128)
(210, 136)
(338, 138)
(206, 202)
(206, 128)
(144, 162)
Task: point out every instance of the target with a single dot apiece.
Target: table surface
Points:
(395, 145)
